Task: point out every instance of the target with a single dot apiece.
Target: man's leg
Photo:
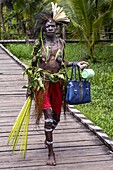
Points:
(56, 120)
(56, 103)
(52, 99)
(49, 136)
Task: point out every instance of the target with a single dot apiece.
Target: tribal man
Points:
(48, 57)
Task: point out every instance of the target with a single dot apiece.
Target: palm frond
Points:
(101, 20)
(20, 128)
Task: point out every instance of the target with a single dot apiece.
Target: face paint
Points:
(50, 28)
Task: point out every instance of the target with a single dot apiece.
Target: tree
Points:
(22, 12)
(87, 17)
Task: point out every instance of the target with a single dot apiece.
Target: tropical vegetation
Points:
(90, 18)
(17, 17)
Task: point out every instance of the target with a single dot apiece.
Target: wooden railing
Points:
(67, 40)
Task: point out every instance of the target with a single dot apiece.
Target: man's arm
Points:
(81, 64)
(35, 53)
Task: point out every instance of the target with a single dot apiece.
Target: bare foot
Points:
(51, 160)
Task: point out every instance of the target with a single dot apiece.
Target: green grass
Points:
(100, 110)
(21, 51)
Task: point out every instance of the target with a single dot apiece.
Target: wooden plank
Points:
(10, 71)
(10, 66)
(8, 62)
(57, 134)
(1, 51)
(5, 130)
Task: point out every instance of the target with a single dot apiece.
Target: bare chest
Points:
(49, 58)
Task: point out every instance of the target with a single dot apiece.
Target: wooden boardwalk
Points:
(76, 147)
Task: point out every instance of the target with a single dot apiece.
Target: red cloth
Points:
(53, 97)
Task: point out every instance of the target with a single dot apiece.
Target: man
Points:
(51, 62)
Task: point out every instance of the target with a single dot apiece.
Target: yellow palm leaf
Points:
(20, 128)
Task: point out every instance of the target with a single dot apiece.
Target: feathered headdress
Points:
(58, 14)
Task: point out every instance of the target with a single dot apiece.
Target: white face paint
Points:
(50, 28)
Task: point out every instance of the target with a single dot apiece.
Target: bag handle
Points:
(74, 71)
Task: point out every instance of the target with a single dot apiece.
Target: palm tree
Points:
(87, 17)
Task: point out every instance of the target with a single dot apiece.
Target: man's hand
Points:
(30, 93)
(83, 64)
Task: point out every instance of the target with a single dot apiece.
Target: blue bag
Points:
(78, 91)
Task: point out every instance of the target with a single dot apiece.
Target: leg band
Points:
(49, 120)
(48, 130)
(49, 143)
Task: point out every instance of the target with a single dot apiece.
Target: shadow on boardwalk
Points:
(76, 147)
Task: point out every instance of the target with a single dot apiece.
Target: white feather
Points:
(58, 13)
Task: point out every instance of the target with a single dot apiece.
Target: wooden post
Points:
(64, 31)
